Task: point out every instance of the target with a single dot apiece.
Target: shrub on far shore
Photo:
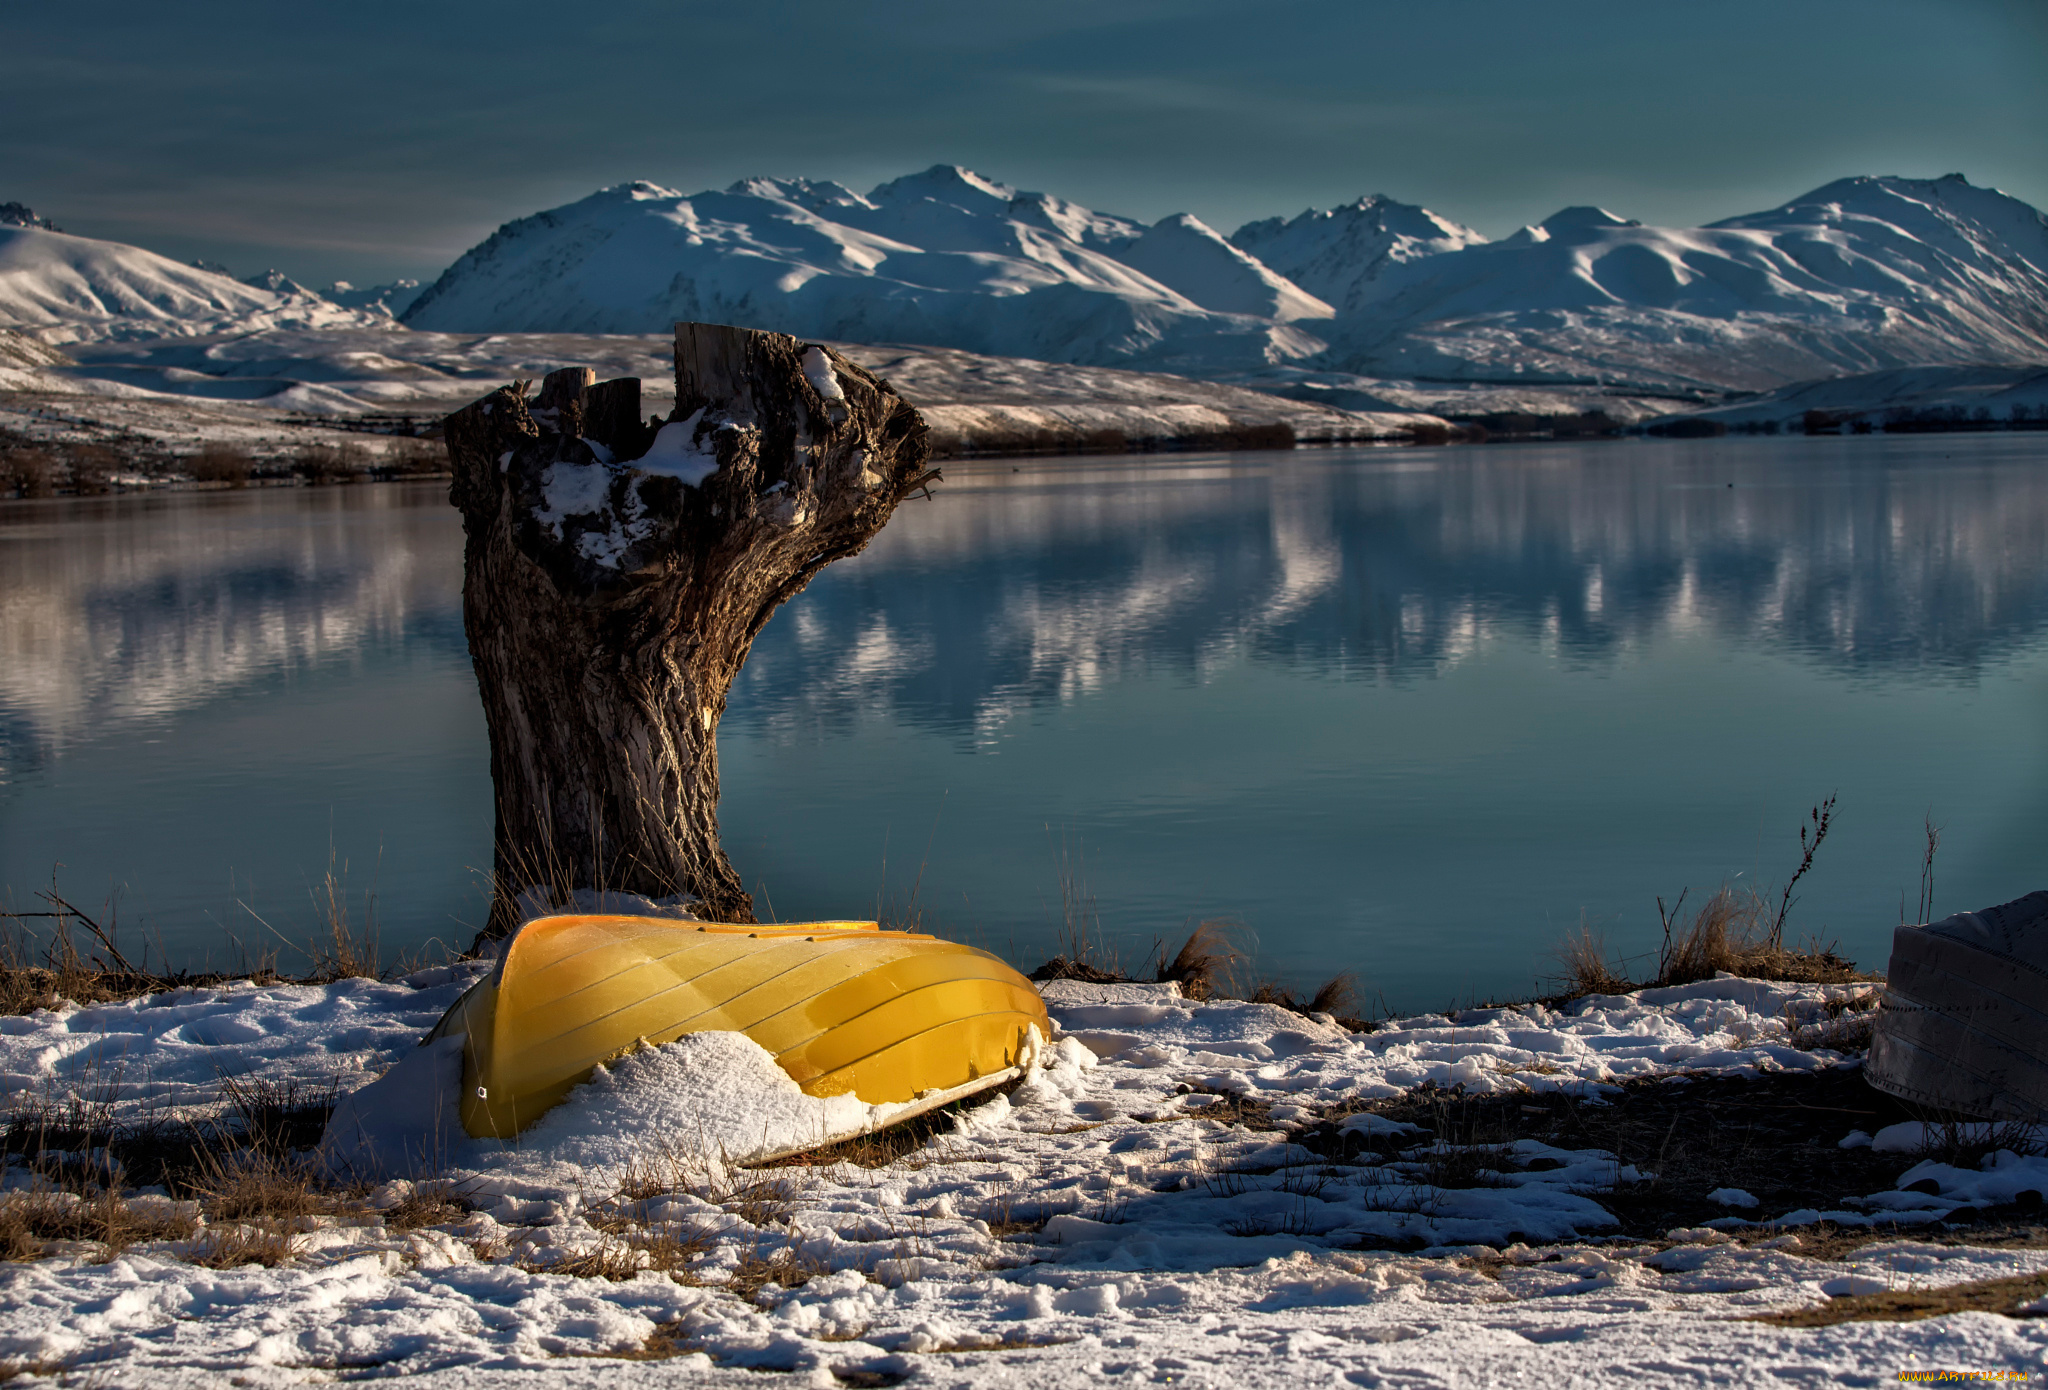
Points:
(414, 458)
(92, 469)
(331, 463)
(28, 472)
(218, 463)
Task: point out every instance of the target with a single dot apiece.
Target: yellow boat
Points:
(892, 1017)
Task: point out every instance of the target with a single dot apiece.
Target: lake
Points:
(1412, 713)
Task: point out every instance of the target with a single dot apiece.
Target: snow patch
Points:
(572, 489)
(818, 371)
(676, 453)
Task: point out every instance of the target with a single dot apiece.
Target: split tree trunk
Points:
(614, 582)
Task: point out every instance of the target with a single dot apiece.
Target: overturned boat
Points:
(1964, 1027)
(895, 1018)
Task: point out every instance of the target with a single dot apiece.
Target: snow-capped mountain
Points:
(1366, 304)
(1861, 275)
(1339, 254)
(61, 289)
(943, 257)
(393, 297)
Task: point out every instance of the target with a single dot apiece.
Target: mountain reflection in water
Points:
(1408, 712)
(1048, 583)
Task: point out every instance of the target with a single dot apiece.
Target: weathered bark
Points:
(611, 595)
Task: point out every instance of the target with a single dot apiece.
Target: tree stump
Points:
(615, 576)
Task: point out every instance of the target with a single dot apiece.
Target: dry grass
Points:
(1732, 932)
(57, 1367)
(786, 1267)
(1085, 953)
(613, 1257)
(29, 1219)
(423, 1208)
(38, 973)
(2005, 1296)
(1963, 1143)
(665, 1343)
(266, 1243)
(341, 948)
(1232, 1108)
(252, 1185)
(991, 1342)
(1336, 996)
(1582, 956)
(59, 951)
(344, 951)
(1737, 931)
(1740, 931)
(277, 1117)
(1207, 964)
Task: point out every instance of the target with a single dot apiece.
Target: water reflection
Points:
(1333, 693)
(1882, 559)
(123, 612)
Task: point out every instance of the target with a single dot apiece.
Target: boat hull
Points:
(893, 1018)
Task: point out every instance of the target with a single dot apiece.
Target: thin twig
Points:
(94, 927)
(1820, 817)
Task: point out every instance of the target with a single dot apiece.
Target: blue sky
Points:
(375, 139)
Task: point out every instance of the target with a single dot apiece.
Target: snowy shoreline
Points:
(1143, 1203)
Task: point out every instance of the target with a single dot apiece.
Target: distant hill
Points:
(1372, 305)
(60, 289)
(944, 257)
(1860, 275)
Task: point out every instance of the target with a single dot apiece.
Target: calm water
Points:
(1412, 713)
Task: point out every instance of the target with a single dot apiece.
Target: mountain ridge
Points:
(1360, 302)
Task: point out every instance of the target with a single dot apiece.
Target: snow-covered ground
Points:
(1994, 396)
(240, 388)
(1111, 1217)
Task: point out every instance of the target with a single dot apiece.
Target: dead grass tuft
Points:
(28, 1219)
(277, 1117)
(1207, 964)
(266, 1242)
(44, 1366)
(1736, 931)
(2007, 1296)
(1739, 931)
(787, 1267)
(1085, 953)
(665, 1343)
(421, 1209)
(613, 1258)
(252, 1185)
(1966, 1143)
(1231, 1108)
(1583, 958)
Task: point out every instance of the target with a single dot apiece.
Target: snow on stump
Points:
(1964, 1026)
(616, 573)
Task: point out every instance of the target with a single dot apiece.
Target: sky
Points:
(377, 139)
